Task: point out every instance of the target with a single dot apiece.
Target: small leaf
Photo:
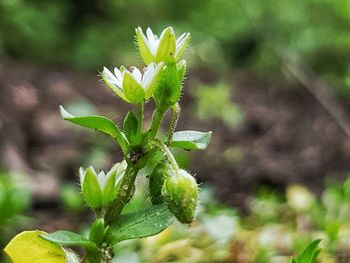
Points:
(29, 247)
(67, 238)
(191, 140)
(147, 222)
(99, 123)
(130, 125)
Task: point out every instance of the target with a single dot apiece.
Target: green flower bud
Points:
(156, 181)
(133, 86)
(165, 48)
(180, 193)
(100, 189)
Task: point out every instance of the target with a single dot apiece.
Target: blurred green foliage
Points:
(213, 102)
(14, 200)
(89, 34)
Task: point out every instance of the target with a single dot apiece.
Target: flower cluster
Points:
(135, 86)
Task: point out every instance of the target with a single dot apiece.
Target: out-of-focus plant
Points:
(173, 191)
(214, 102)
(309, 254)
(14, 199)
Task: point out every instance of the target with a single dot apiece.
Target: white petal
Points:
(101, 178)
(148, 75)
(135, 72)
(153, 41)
(111, 78)
(181, 40)
(118, 74)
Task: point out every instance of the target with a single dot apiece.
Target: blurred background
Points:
(270, 78)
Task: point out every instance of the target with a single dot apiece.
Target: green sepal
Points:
(97, 231)
(130, 125)
(168, 91)
(181, 195)
(132, 89)
(167, 46)
(156, 181)
(181, 69)
(144, 223)
(67, 238)
(91, 188)
(191, 140)
(145, 53)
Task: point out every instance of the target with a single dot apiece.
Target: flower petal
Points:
(152, 79)
(144, 46)
(181, 45)
(112, 82)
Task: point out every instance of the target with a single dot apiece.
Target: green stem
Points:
(176, 114)
(123, 195)
(140, 116)
(156, 121)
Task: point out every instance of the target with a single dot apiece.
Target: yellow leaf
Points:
(29, 247)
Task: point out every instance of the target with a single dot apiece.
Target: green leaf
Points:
(97, 231)
(92, 192)
(99, 123)
(67, 238)
(191, 140)
(130, 125)
(309, 254)
(167, 46)
(147, 222)
(29, 247)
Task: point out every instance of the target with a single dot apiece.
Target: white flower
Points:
(165, 48)
(133, 86)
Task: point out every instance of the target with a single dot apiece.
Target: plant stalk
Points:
(172, 126)
(123, 195)
(140, 113)
(157, 118)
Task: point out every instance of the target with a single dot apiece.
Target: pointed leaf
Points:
(147, 222)
(99, 123)
(67, 238)
(310, 253)
(191, 140)
(29, 247)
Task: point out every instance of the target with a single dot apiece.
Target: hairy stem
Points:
(156, 121)
(123, 195)
(140, 116)
(172, 126)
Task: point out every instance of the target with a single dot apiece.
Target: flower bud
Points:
(156, 181)
(100, 189)
(180, 193)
